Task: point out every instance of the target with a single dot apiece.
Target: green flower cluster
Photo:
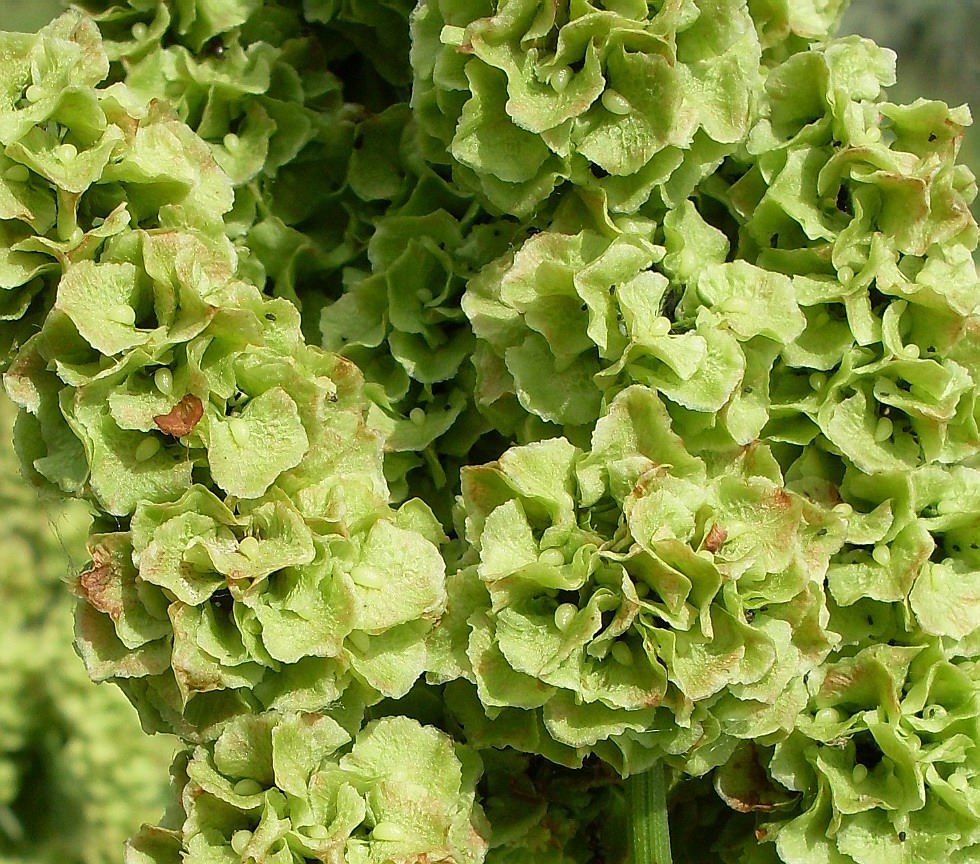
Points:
(333, 200)
(294, 787)
(179, 399)
(642, 426)
(626, 101)
(635, 601)
(882, 766)
(77, 776)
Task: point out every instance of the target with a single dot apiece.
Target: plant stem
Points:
(646, 798)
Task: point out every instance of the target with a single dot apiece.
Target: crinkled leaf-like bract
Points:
(292, 787)
(636, 600)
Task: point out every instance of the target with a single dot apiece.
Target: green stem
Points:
(646, 798)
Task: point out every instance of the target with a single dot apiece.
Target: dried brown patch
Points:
(183, 417)
(716, 537)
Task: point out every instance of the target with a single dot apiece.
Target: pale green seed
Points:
(845, 275)
(860, 773)
(552, 558)
(361, 641)
(621, 654)
(147, 449)
(139, 30)
(454, 36)
(17, 174)
(366, 577)
(564, 615)
(882, 555)
(912, 351)
(616, 103)
(122, 314)
(642, 589)
(390, 832)
(249, 547)
(66, 152)
(828, 716)
(248, 786)
(231, 141)
(817, 380)
(239, 431)
(417, 416)
(164, 380)
(660, 327)
(560, 79)
(240, 841)
(33, 93)
(884, 429)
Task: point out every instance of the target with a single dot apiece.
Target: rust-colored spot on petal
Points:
(94, 585)
(183, 417)
(716, 537)
(761, 834)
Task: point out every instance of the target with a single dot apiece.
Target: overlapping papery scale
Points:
(843, 322)
(293, 787)
(400, 320)
(326, 189)
(787, 27)
(375, 31)
(626, 101)
(635, 601)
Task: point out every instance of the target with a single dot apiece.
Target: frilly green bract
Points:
(292, 787)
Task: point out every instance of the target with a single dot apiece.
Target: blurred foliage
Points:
(77, 774)
(28, 15)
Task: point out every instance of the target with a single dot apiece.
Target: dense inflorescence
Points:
(482, 403)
